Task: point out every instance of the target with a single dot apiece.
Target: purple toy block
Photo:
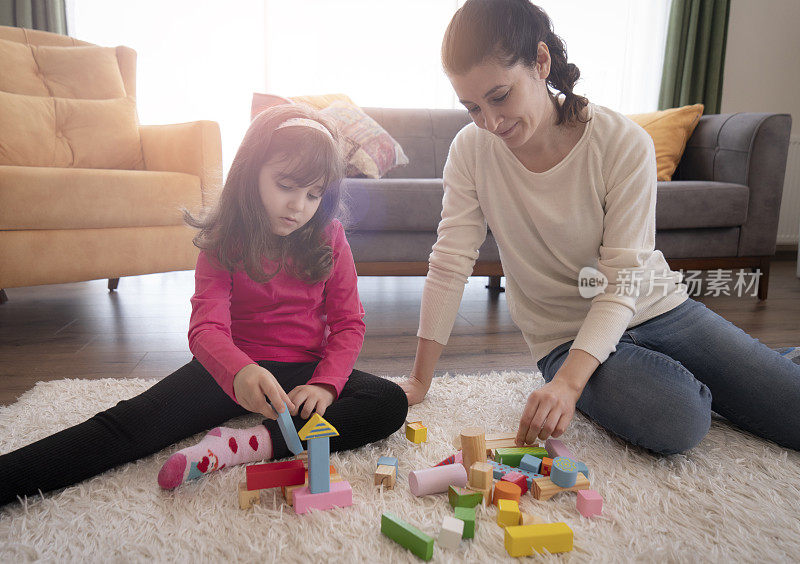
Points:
(589, 503)
(556, 448)
(339, 495)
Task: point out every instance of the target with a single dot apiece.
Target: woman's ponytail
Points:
(563, 76)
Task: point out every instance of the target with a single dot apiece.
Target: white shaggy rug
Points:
(733, 498)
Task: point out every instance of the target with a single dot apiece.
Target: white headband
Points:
(305, 122)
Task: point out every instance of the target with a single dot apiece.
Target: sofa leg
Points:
(494, 284)
(3, 296)
(763, 281)
(113, 283)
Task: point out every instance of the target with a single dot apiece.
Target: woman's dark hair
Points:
(237, 231)
(509, 31)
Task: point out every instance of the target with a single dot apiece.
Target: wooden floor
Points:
(84, 331)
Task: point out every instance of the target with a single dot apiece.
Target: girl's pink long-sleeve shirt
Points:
(236, 321)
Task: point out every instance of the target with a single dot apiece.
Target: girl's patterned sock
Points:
(221, 447)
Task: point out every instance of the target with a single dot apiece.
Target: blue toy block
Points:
(389, 461)
(289, 432)
(499, 470)
(319, 465)
(530, 463)
(582, 468)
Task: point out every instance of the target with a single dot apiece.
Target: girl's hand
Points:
(252, 383)
(415, 389)
(313, 397)
(548, 412)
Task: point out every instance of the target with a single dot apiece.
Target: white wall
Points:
(762, 59)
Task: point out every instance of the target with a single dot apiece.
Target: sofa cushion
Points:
(19, 73)
(70, 198)
(404, 246)
(80, 72)
(695, 204)
(388, 204)
(60, 132)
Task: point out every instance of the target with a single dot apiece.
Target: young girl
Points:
(563, 185)
(276, 319)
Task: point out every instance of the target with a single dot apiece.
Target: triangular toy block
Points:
(316, 427)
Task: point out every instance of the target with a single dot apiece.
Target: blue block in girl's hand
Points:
(289, 432)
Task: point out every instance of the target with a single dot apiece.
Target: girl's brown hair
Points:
(237, 231)
(509, 31)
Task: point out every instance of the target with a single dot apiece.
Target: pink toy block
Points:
(589, 503)
(437, 479)
(517, 478)
(263, 476)
(340, 495)
(556, 448)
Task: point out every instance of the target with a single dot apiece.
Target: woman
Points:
(567, 186)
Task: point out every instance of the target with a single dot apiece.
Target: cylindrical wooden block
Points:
(473, 446)
(563, 473)
(506, 490)
(437, 479)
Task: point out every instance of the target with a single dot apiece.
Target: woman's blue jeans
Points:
(657, 390)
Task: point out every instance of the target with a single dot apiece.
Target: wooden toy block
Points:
(286, 425)
(517, 478)
(288, 491)
(563, 472)
(530, 463)
(340, 494)
(416, 432)
(480, 475)
(317, 433)
(473, 446)
(462, 497)
(544, 488)
(556, 448)
(513, 456)
(582, 468)
(528, 519)
(506, 490)
(389, 461)
(248, 497)
(467, 514)
(493, 440)
(407, 536)
(386, 475)
(263, 476)
(523, 540)
(547, 464)
(589, 503)
(451, 532)
(507, 512)
(485, 492)
(437, 479)
(452, 459)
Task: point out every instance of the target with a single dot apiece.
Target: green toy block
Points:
(407, 536)
(513, 455)
(461, 497)
(467, 514)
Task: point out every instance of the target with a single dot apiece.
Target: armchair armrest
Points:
(749, 149)
(193, 148)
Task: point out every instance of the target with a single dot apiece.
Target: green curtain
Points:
(695, 54)
(47, 15)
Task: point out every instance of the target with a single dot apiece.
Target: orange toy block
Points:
(506, 490)
(547, 465)
(543, 488)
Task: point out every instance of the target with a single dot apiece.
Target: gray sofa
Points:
(720, 211)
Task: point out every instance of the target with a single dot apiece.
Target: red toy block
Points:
(340, 495)
(263, 476)
(517, 478)
(589, 503)
(547, 464)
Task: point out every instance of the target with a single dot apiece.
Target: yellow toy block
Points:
(248, 497)
(507, 513)
(416, 432)
(523, 540)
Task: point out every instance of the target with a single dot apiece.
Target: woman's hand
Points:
(415, 389)
(548, 412)
(313, 397)
(252, 383)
